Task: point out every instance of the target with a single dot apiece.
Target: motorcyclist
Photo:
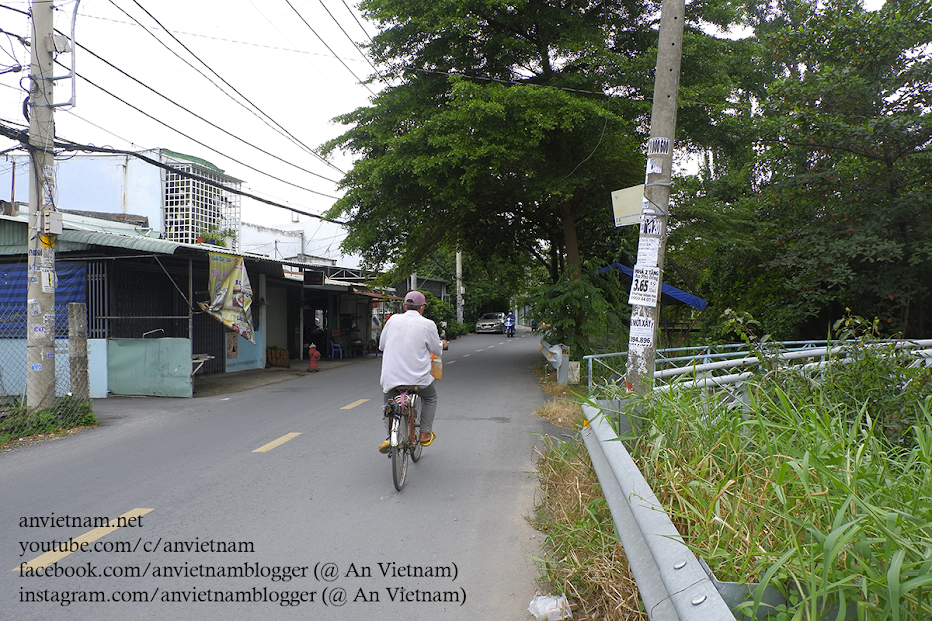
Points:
(510, 324)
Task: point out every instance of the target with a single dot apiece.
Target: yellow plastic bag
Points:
(436, 367)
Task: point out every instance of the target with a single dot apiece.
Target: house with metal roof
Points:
(162, 302)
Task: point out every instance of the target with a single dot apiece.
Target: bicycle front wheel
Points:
(400, 453)
(416, 410)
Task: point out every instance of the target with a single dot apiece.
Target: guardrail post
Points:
(558, 359)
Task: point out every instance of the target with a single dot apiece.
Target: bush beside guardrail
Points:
(622, 483)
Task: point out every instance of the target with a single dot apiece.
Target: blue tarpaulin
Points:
(677, 294)
(71, 287)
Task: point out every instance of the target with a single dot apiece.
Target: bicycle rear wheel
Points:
(416, 411)
(400, 452)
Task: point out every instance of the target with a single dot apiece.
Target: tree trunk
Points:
(571, 241)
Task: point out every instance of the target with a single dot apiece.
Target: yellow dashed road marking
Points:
(268, 447)
(354, 404)
(50, 558)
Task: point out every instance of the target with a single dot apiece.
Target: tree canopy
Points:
(504, 126)
(837, 198)
(511, 125)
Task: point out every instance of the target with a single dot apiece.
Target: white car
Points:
(491, 322)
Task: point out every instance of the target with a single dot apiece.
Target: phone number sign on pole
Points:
(645, 283)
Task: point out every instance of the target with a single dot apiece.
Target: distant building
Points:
(179, 208)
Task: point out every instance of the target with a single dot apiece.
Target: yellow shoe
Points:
(385, 446)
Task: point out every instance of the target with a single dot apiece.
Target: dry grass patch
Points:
(562, 412)
(547, 376)
(583, 558)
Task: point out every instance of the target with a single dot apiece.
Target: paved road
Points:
(454, 544)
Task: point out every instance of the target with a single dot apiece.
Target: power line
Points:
(210, 38)
(515, 82)
(226, 155)
(257, 108)
(194, 114)
(103, 129)
(26, 13)
(357, 21)
(350, 39)
(22, 136)
(358, 79)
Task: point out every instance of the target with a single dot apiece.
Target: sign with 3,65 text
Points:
(645, 283)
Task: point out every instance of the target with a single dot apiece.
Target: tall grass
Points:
(822, 487)
(583, 558)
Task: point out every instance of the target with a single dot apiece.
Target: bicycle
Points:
(404, 412)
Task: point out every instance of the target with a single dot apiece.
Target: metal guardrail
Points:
(714, 358)
(674, 584)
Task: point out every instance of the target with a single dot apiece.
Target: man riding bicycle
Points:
(407, 342)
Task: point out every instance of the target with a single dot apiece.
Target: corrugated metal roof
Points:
(129, 242)
(372, 294)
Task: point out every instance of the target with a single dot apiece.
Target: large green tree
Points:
(848, 135)
(835, 203)
(504, 128)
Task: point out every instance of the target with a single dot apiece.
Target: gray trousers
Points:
(428, 396)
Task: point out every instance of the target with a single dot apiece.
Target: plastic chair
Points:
(336, 349)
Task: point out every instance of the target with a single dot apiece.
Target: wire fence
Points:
(59, 404)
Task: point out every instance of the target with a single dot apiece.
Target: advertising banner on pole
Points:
(231, 294)
(645, 286)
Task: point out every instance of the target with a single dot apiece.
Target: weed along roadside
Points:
(19, 426)
(582, 556)
(813, 498)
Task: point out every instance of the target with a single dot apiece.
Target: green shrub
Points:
(810, 489)
(16, 421)
(456, 329)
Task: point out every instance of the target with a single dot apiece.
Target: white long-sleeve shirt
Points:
(407, 341)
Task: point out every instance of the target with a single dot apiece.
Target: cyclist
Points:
(407, 341)
(510, 324)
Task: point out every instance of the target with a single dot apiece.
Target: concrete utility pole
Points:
(43, 219)
(648, 270)
(459, 286)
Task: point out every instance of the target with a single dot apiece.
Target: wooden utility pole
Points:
(44, 221)
(648, 270)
